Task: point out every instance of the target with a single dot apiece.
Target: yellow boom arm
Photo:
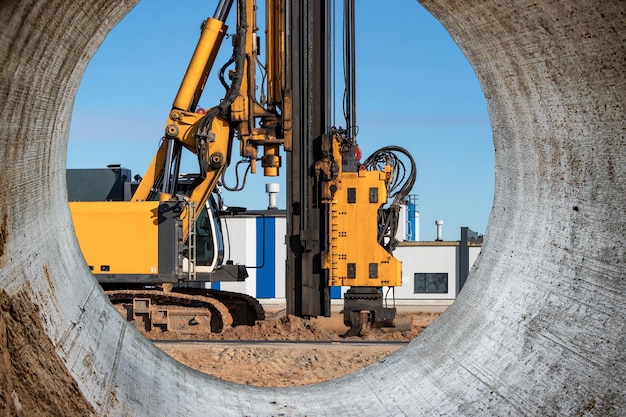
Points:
(210, 135)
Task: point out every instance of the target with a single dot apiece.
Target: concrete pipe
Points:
(539, 328)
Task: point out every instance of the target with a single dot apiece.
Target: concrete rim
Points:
(539, 328)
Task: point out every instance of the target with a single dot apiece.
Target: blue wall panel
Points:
(266, 256)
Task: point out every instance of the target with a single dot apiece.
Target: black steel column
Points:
(463, 259)
(309, 58)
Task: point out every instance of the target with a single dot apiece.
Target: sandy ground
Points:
(284, 364)
(33, 379)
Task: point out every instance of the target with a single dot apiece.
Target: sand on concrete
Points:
(33, 380)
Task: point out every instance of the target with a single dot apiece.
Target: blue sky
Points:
(415, 89)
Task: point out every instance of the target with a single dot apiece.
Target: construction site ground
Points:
(241, 359)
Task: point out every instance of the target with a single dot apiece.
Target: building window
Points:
(431, 283)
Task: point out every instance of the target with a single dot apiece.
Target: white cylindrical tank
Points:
(272, 190)
(439, 224)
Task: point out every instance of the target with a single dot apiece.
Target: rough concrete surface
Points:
(539, 329)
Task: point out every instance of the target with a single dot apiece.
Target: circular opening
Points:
(414, 89)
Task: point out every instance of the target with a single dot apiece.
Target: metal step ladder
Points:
(191, 241)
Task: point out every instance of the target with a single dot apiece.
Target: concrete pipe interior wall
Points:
(538, 330)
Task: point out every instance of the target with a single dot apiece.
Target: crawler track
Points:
(190, 311)
(244, 309)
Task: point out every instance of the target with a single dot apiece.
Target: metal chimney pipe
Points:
(439, 224)
(272, 190)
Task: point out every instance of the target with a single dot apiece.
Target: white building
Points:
(432, 272)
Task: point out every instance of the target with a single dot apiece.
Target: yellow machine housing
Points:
(131, 242)
(118, 237)
(361, 226)
(354, 257)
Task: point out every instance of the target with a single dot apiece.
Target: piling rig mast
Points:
(340, 233)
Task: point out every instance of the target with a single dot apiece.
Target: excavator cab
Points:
(209, 238)
(204, 247)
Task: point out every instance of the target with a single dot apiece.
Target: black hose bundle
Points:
(203, 134)
(400, 185)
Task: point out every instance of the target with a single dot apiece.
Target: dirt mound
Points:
(286, 327)
(277, 365)
(279, 328)
(285, 365)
